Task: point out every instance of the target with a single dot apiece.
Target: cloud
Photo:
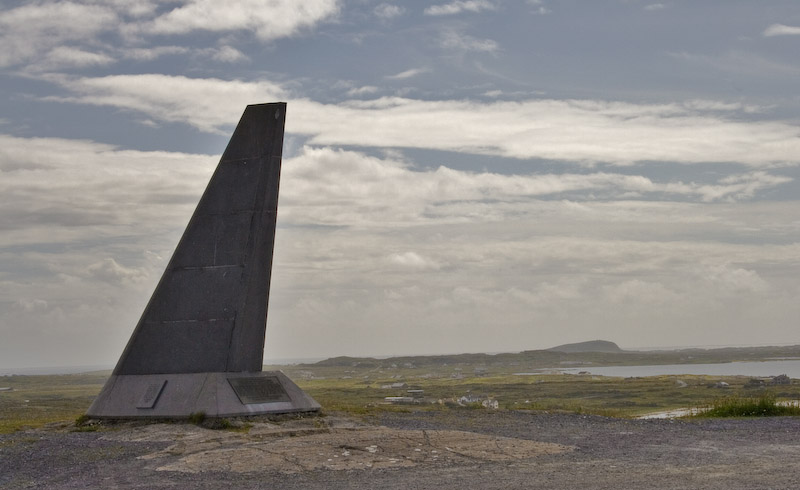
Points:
(781, 30)
(461, 42)
(226, 54)
(332, 187)
(655, 6)
(388, 11)
(365, 90)
(73, 187)
(408, 73)
(31, 29)
(267, 19)
(71, 30)
(740, 63)
(374, 249)
(67, 57)
(148, 54)
(540, 7)
(459, 6)
(30, 305)
(108, 270)
(175, 98)
(579, 131)
(576, 131)
(412, 260)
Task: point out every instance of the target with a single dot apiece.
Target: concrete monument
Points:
(199, 345)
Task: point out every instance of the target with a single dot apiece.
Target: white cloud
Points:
(30, 305)
(67, 57)
(655, 6)
(582, 131)
(450, 39)
(408, 73)
(388, 11)
(108, 270)
(781, 30)
(176, 99)
(459, 6)
(412, 260)
(133, 8)
(577, 131)
(540, 7)
(268, 19)
(28, 30)
(148, 54)
(741, 63)
(227, 54)
(371, 249)
(365, 90)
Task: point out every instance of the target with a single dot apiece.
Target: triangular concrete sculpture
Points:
(199, 344)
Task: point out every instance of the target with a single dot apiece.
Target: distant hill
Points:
(590, 346)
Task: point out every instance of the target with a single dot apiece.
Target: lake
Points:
(790, 368)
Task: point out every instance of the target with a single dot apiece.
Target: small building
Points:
(781, 380)
(399, 399)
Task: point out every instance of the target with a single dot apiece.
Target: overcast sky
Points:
(458, 176)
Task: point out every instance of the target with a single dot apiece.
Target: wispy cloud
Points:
(453, 40)
(64, 57)
(268, 19)
(408, 73)
(539, 7)
(781, 30)
(365, 90)
(165, 97)
(30, 31)
(548, 253)
(459, 6)
(576, 131)
(148, 54)
(388, 11)
(655, 6)
(740, 62)
(225, 54)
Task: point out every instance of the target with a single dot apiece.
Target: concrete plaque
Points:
(151, 394)
(262, 389)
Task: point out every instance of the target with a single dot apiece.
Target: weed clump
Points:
(197, 418)
(763, 406)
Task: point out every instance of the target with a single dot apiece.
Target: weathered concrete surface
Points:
(207, 317)
(209, 311)
(475, 448)
(187, 393)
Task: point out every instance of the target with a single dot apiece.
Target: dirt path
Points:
(477, 448)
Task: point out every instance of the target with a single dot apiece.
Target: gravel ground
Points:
(454, 449)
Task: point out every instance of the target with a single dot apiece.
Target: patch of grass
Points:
(197, 418)
(737, 406)
(39, 400)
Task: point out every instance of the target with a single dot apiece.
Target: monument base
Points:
(214, 394)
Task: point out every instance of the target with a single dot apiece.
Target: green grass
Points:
(765, 405)
(39, 400)
(357, 389)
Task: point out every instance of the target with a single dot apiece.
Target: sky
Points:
(458, 176)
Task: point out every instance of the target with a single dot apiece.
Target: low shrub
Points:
(763, 406)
